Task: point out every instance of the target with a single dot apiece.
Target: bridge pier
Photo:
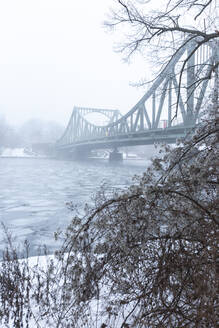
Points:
(115, 156)
(63, 155)
(81, 154)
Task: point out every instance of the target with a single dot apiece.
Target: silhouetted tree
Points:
(8, 135)
(170, 25)
(163, 29)
(39, 131)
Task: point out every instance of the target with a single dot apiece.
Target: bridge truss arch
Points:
(153, 118)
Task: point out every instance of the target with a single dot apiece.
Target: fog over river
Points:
(34, 193)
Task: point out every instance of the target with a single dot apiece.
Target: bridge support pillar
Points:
(63, 155)
(81, 154)
(115, 156)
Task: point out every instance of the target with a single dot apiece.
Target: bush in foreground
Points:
(148, 257)
(145, 257)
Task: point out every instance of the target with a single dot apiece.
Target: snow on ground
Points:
(16, 152)
(96, 317)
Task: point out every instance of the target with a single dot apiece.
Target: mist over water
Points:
(34, 193)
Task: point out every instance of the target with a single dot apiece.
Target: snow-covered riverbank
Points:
(32, 278)
(16, 152)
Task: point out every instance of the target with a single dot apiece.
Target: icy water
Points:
(34, 193)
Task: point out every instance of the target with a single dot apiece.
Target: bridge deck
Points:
(168, 135)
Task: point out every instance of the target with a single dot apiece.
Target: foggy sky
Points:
(56, 54)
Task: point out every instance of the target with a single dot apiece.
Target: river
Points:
(34, 193)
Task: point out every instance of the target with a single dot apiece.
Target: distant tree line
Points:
(8, 135)
(32, 131)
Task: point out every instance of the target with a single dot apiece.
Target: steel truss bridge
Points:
(153, 119)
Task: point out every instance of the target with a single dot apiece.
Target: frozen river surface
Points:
(34, 193)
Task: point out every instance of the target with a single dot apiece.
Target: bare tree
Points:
(167, 29)
(8, 135)
(147, 257)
